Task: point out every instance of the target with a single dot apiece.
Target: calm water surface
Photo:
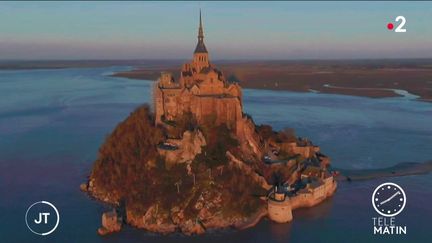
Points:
(53, 121)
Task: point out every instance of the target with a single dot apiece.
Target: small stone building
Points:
(111, 222)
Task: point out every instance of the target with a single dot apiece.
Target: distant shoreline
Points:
(410, 82)
(365, 78)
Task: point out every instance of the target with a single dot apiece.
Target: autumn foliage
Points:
(130, 170)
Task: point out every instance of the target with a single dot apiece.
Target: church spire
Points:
(200, 30)
(200, 48)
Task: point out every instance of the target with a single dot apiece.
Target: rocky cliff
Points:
(210, 177)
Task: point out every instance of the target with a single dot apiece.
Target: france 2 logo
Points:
(400, 28)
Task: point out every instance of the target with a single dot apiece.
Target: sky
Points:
(233, 30)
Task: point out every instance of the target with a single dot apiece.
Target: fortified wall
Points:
(280, 205)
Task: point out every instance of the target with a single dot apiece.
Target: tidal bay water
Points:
(52, 123)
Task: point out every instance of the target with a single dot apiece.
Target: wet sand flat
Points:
(374, 79)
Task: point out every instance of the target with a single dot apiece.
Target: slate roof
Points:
(200, 48)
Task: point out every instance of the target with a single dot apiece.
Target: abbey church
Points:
(201, 90)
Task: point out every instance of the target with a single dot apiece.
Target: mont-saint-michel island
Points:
(248, 121)
(195, 161)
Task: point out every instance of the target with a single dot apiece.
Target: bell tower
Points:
(201, 56)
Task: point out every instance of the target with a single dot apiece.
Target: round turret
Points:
(279, 207)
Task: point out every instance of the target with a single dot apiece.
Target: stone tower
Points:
(201, 56)
(279, 206)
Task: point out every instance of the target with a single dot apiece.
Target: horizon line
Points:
(217, 60)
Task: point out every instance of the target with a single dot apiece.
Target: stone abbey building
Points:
(201, 90)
